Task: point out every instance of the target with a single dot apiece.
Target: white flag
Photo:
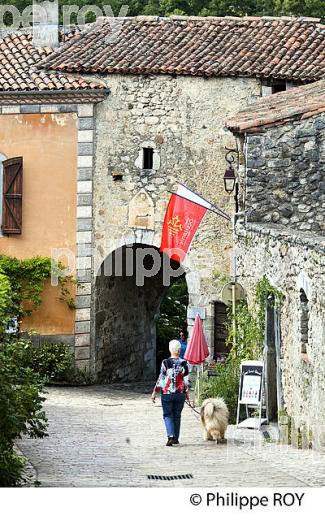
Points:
(188, 194)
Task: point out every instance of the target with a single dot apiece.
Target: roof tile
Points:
(18, 60)
(297, 103)
(265, 47)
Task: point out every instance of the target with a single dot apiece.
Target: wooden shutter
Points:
(220, 330)
(12, 196)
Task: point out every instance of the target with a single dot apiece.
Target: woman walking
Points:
(174, 391)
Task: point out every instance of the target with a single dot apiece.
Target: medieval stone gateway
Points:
(130, 286)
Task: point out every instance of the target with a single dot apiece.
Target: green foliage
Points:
(221, 278)
(51, 361)
(55, 363)
(172, 317)
(246, 335)
(20, 409)
(23, 371)
(5, 300)
(300, 7)
(263, 291)
(26, 283)
(76, 376)
(12, 468)
(199, 7)
(224, 384)
(246, 329)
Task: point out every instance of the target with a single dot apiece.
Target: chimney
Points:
(46, 24)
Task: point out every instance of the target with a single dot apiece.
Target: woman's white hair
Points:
(174, 346)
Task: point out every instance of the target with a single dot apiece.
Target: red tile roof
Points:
(296, 103)
(18, 59)
(281, 48)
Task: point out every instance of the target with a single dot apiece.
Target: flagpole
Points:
(226, 217)
(205, 200)
(223, 215)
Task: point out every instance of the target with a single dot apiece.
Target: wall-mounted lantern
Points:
(230, 178)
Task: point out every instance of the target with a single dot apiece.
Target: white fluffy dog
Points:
(214, 417)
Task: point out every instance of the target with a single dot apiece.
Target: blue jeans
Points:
(172, 408)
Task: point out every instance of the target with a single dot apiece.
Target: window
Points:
(280, 86)
(2, 158)
(12, 191)
(275, 86)
(304, 321)
(147, 158)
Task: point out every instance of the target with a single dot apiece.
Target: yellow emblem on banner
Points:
(174, 225)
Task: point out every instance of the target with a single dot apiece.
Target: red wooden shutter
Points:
(12, 196)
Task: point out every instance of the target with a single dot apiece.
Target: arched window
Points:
(304, 321)
(2, 158)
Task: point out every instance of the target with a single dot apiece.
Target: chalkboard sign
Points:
(251, 376)
(251, 393)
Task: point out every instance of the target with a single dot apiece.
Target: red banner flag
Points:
(182, 219)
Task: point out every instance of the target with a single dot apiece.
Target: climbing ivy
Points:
(246, 329)
(5, 299)
(22, 284)
(263, 290)
(244, 333)
(221, 278)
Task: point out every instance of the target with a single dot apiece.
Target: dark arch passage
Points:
(126, 309)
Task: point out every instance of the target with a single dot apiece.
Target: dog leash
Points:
(192, 407)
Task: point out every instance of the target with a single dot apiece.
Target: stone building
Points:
(171, 84)
(282, 237)
(42, 116)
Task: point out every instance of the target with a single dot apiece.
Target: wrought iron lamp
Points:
(229, 178)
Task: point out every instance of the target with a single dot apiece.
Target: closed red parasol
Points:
(197, 349)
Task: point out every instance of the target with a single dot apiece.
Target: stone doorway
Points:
(127, 302)
(272, 360)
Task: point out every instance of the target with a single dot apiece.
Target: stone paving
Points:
(114, 436)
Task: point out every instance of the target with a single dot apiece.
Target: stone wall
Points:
(293, 262)
(285, 178)
(182, 120)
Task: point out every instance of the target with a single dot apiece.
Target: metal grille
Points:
(170, 477)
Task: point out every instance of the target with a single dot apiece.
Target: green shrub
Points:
(11, 468)
(52, 362)
(21, 411)
(224, 384)
(76, 376)
(55, 363)
(5, 300)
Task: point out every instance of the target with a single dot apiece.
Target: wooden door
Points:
(220, 331)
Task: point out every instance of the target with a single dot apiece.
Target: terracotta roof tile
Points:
(296, 103)
(280, 48)
(18, 60)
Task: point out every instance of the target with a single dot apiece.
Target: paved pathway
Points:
(113, 436)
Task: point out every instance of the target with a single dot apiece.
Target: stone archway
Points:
(130, 286)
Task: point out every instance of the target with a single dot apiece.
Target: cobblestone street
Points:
(114, 436)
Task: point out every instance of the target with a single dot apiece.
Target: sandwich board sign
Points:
(251, 393)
